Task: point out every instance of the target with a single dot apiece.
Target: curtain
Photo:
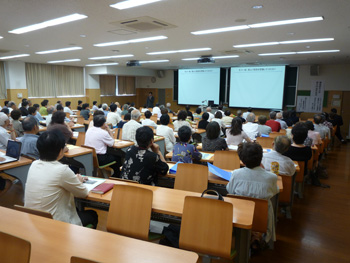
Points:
(108, 85)
(126, 85)
(3, 94)
(69, 81)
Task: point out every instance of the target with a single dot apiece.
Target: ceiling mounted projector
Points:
(205, 60)
(133, 63)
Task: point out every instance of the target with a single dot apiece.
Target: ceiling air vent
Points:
(143, 24)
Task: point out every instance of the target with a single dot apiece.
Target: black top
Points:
(24, 111)
(202, 124)
(217, 144)
(79, 108)
(143, 166)
(189, 114)
(299, 154)
(150, 102)
(337, 120)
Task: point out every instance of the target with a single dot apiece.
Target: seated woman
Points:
(254, 181)
(183, 151)
(141, 164)
(51, 186)
(181, 121)
(312, 134)
(166, 132)
(85, 111)
(57, 123)
(212, 142)
(197, 115)
(202, 124)
(235, 135)
(218, 119)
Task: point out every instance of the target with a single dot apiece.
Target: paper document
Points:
(207, 156)
(219, 172)
(75, 134)
(93, 182)
(233, 147)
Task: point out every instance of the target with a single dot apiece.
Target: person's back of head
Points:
(58, 117)
(36, 106)
(185, 133)
(44, 103)
(262, 119)
(24, 103)
(334, 110)
(29, 124)
(16, 114)
(31, 110)
(187, 108)
(68, 103)
(127, 117)
(299, 132)
(125, 107)
(281, 144)
(157, 104)
(182, 115)
(198, 110)
(5, 111)
(208, 109)
(4, 119)
(148, 114)
(213, 130)
(104, 106)
(85, 106)
(218, 115)
(310, 125)
(50, 144)
(236, 126)
(286, 115)
(161, 107)
(6, 103)
(250, 154)
(12, 104)
(133, 104)
(135, 115)
(279, 115)
(272, 115)
(99, 112)
(99, 120)
(164, 111)
(227, 113)
(144, 136)
(205, 116)
(164, 119)
(24, 99)
(250, 117)
(80, 102)
(317, 118)
(239, 113)
(59, 108)
(50, 110)
(220, 107)
(94, 102)
(113, 107)
(168, 105)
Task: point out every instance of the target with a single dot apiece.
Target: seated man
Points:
(68, 109)
(245, 114)
(17, 125)
(23, 109)
(129, 128)
(51, 186)
(100, 137)
(275, 162)
(263, 129)
(50, 111)
(254, 181)
(227, 119)
(279, 117)
(156, 111)
(30, 138)
(148, 121)
(211, 115)
(142, 165)
(4, 127)
(275, 125)
(113, 116)
(321, 129)
(168, 105)
(251, 128)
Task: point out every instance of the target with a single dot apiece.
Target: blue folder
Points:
(173, 169)
(219, 172)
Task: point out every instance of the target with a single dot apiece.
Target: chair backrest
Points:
(154, 118)
(67, 114)
(310, 163)
(286, 195)
(14, 249)
(260, 212)
(227, 160)
(299, 178)
(33, 211)
(80, 120)
(275, 134)
(118, 133)
(130, 211)
(91, 117)
(78, 113)
(94, 156)
(81, 260)
(265, 142)
(81, 139)
(191, 177)
(206, 226)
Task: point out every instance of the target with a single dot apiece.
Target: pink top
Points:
(99, 139)
(315, 136)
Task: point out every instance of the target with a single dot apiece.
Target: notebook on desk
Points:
(13, 152)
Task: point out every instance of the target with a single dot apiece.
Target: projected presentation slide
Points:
(257, 87)
(198, 85)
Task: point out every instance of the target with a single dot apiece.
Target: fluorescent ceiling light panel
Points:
(257, 44)
(318, 51)
(123, 42)
(15, 56)
(220, 30)
(278, 54)
(62, 61)
(102, 64)
(218, 57)
(179, 51)
(53, 22)
(132, 3)
(287, 22)
(154, 61)
(306, 40)
(58, 50)
(1, 37)
(109, 57)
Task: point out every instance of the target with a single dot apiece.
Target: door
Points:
(161, 96)
(345, 113)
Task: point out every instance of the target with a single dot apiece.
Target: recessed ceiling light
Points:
(307, 46)
(1, 37)
(257, 44)
(257, 6)
(102, 64)
(154, 61)
(108, 57)
(132, 3)
(179, 51)
(278, 54)
(318, 51)
(53, 22)
(284, 42)
(58, 50)
(123, 42)
(63, 61)
(220, 30)
(15, 56)
(215, 57)
(82, 35)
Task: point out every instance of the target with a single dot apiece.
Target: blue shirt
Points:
(29, 145)
(38, 116)
(185, 152)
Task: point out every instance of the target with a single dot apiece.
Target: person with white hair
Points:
(4, 127)
(129, 128)
(211, 115)
(251, 128)
(168, 105)
(105, 109)
(279, 117)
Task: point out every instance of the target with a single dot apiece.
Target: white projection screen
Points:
(257, 87)
(198, 85)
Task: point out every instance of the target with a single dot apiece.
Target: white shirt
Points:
(99, 139)
(4, 137)
(94, 107)
(68, 110)
(251, 129)
(179, 123)
(129, 130)
(148, 122)
(245, 115)
(48, 119)
(169, 136)
(157, 111)
(211, 116)
(119, 111)
(114, 118)
(227, 120)
(278, 163)
(51, 187)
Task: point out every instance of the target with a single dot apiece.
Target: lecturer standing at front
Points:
(150, 100)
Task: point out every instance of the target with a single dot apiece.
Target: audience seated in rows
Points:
(235, 135)
(125, 109)
(166, 132)
(227, 119)
(312, 134)
(245, 114)
(197, 116)
(189, 113)
(183, 150)
(58, 123)
(80, 104)
(181, 121)
(282, 122)
(251, 128)
(37, 115)
(147, 121)
(17, 125)
(24, 108)
(67, 108)
(30, 138)
(156, 111)
(129, 128)
(145, 162)
(263, 129)
(211, 115)
(220, 109)
(275, 125)
(239, 115)
(94, 105)
(98, 112)
(168, 105)
(212, 141)
(202, 124)
(113, 117)
(85, 111)
(127, 117)
(320, 128)
(218, 119)
(33, 113)
(50, 111)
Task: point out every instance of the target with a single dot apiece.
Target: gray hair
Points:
(168, 105)
(282, 144)
(272, 115)
(279, 115)
(161, 107)
(29, 123)
(208, 109)
(135, 114)
(11, 103)
(250, 117)
(125, 106)
(50, 109)
(239, 113)
(3, 118)
(104, 106)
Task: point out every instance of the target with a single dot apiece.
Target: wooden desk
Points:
(55, 242)
(122, 145)
(83, 156)
(42, 128)
(18, 169)
(78, 128)
(210, 160)
(171, 201)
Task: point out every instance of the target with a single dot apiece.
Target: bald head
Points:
(135, 115)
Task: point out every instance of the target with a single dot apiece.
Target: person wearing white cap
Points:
(4, 127)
